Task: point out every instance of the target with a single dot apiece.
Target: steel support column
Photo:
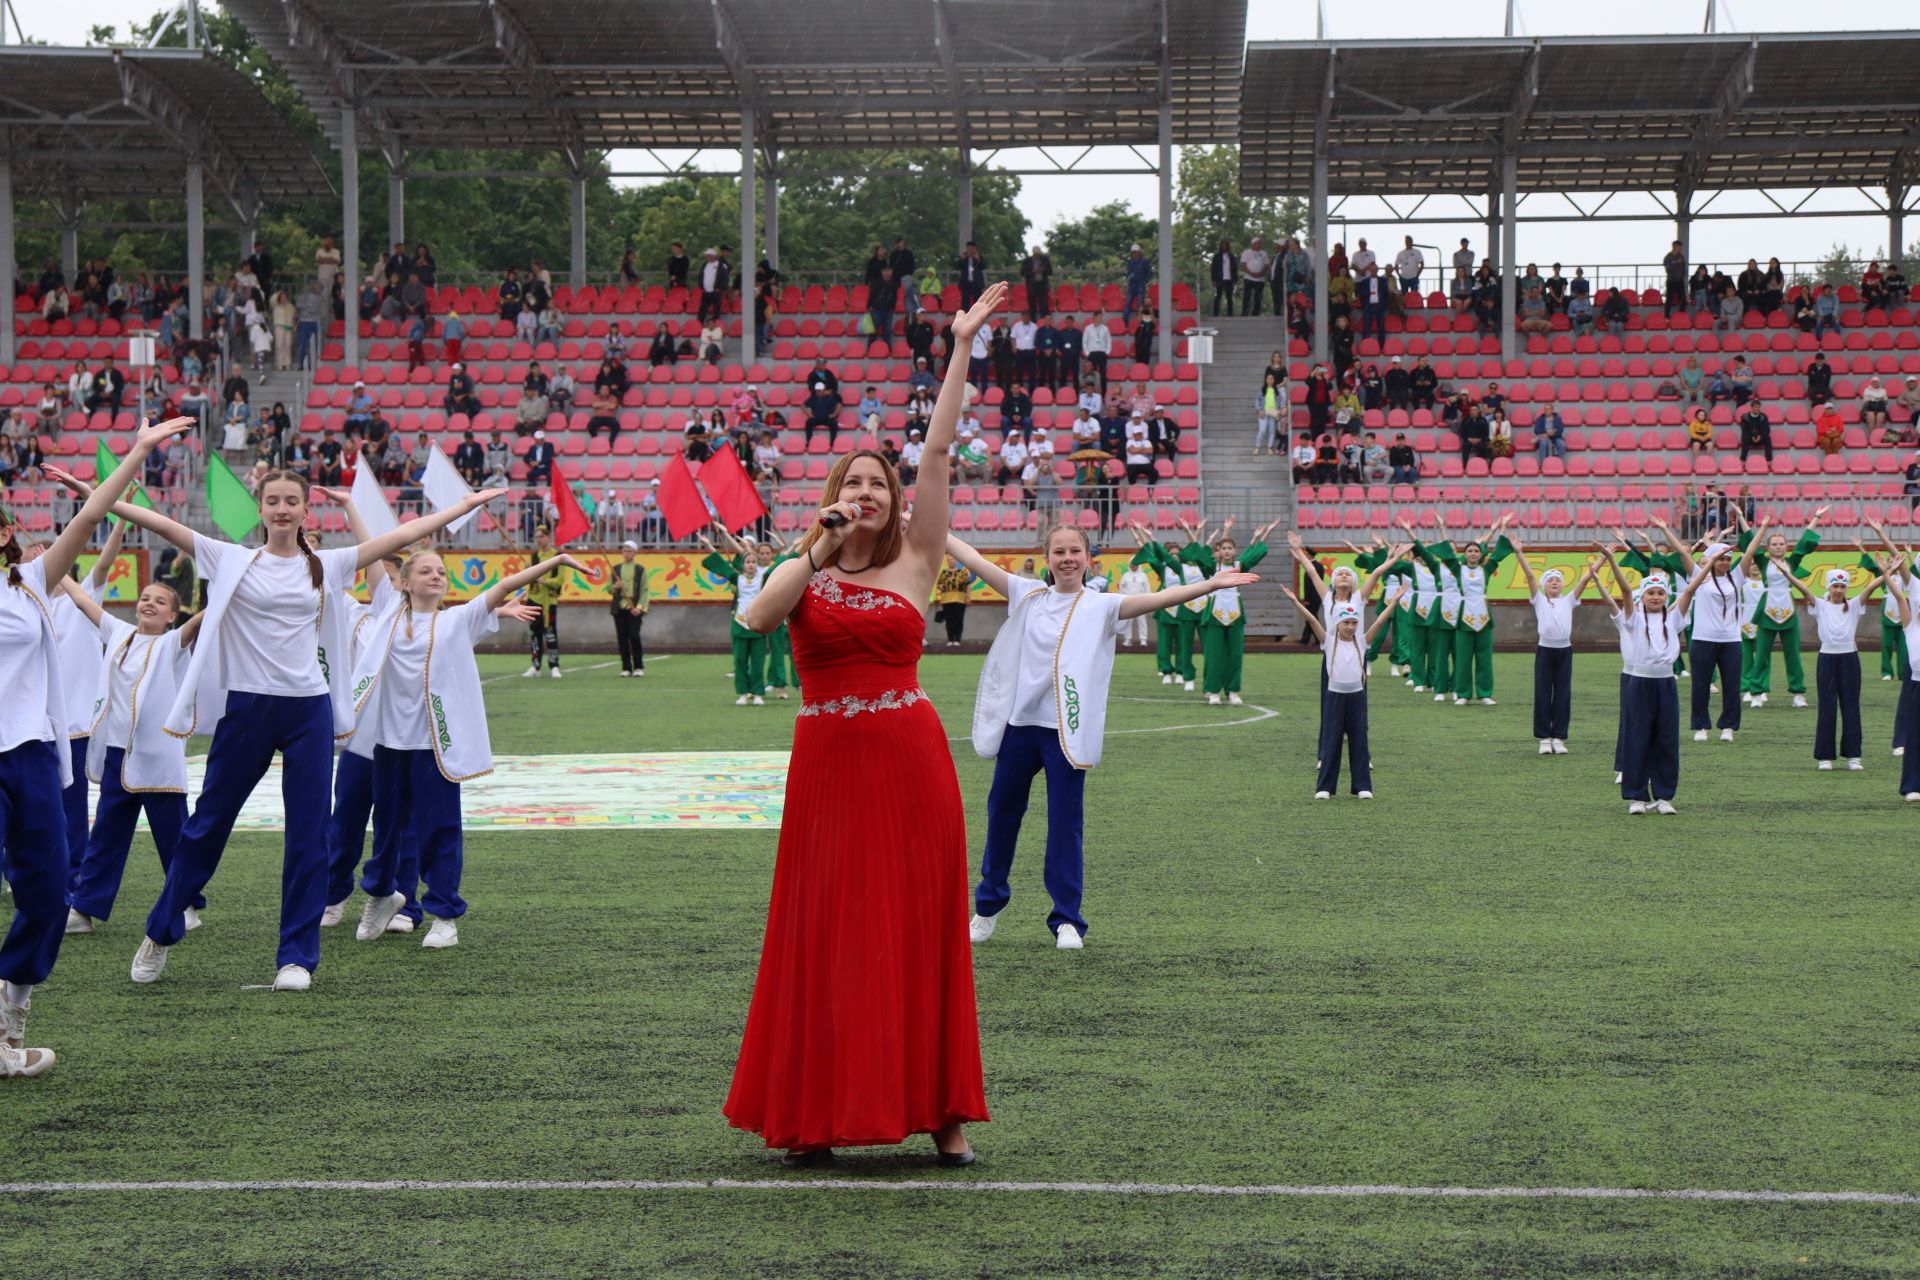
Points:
(350, 232)
(744, 263)
(196, 251)
(1165, 252)
(1317, 228)
(70, 236)
(1896, 222)
(8, 253)
(965, 199)
(1683, 221)
(396, 207)
(1493, 224)
(1509, 241)
(577, 274)
(770, 216)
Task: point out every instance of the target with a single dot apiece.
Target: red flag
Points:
(679, 498)
(573, 521)
(733, 494)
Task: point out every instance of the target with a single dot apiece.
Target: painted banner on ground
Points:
(1508, 585)
(674, 577)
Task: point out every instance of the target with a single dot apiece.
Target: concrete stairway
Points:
(1234, 482)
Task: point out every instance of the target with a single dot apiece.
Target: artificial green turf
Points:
(1489, 976)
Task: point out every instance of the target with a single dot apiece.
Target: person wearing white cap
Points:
(1343, 707)
(627, 585)
(1776, 617)
(1836, 620)
(1720, 608)
(1553, 608)
(1650, 695)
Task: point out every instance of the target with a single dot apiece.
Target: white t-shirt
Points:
(1042, 620)
(1023, 334)
(1013, 454)
(1838, 625)
(123, 668)
(1346, 663)
(1554, 618)
(1719, 607)
(1648, 640)
(24, 713)
(270, 637)
(403, 689)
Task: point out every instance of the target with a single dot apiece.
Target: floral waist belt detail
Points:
(852, 705)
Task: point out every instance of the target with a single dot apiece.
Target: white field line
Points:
(1265, 713)
(960, 1184)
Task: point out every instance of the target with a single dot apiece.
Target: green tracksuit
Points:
(1168, 659)
(1223, 640)
(1893, 640)
(1440, 627)
(1473, 636)
(749, 646)
(1777, 621)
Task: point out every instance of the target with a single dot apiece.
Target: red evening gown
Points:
(862, 1028)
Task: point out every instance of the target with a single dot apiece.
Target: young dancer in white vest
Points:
(1649, 642)
(1042, 705)
(1553, 608)
(35, 763)
(1908, 580)
(1425, 608)
(421, 719)
(1777, 616)
(268, 676)
(80, 667)
(1721, 610)
(1473, 636)
(1836, 621)
(353, 775)
(138, 766)
(1343, 707)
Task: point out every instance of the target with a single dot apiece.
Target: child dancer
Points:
(1442, 618)
(80, 668)
(1900, 588)
(1042, 705)
(1223, 628)
(749, 646)
(1777, 619)
(1473, 637)
(1649, 641)
(1553, 608)
(262, 681)
(138, 766)
(1172, 638)
(422, 721)
(1836, 620)
(1720, 608)
(781, 672)
(35, 762)
(1343, 715)
(1906, 573)
(1677, 564)
(1425, 609)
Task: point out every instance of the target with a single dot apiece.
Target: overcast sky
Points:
(1045, 200)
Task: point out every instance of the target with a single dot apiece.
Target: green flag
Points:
(104, 464)
(228, 502)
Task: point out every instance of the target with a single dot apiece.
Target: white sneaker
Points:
(740, 701)
(1236, 700)
(1664, 806)
(1824, 766)
(1459, 701)
(1799, 700)
(1323, 795)
(1886, 677)
(1166, 679)
(376, 914)
(1066, 938)
(292, 978)
(1560, 746)
(1546, 746)
(1363, 795)
(1617, 775)
(1213, 699)
(980, 928)
(1439, 697)
(442, 933)
(1699, 735)
(1760, 699)
(1636, 808)
(193, 919)
(334, 914)
(1189, 686)
(1418, 688)
(77, 923)
(555, 673)
(1912, 797)
(149, 962)
(1899, 751)
(401, 923)
(1726, 735)
(24, 1062)
(759, 701)
(640, 674)
(1488, 702)
(626, 675)
(1854, 765)
(530, 673)
(782, 695)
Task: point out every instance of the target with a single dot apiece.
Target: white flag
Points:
(444, 488)
(372, 500)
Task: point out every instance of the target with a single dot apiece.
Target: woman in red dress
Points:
(862, 1029)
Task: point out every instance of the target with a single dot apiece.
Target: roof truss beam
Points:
(1526, 92)
(510, 37)
(1736, 86)
(145, 93)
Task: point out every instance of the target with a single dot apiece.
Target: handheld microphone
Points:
(832, 520)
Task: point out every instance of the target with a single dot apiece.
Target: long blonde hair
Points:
(406, 567)
(892, 536)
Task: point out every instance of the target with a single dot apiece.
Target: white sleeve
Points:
(113, 631)
(477, 618)
(1115, 624)
(208, 552)
(340, 566)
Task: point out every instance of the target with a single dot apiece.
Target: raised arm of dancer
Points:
(108, 554)
(379, 548)
(1389, 558)
(498, 593)
(1380, 619)
(85, 603)
(1680, 548)
(1623, 596)
(927, 534)
(1685, 601)
(1306, 613)
(1135, 606)
(356, 523)
(65, 549)
(1526, 567)
(1299, 549)
(1902, 600)
(978, 565)
(1886, 539)
(1801, 587)
(1589, 574)
(1752, 550)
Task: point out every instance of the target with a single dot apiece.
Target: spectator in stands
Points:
(359, 408)
(1773, 287)
(1256, 268)
(1873, 287)
(883, 299)
(1718, 387)
(1732, 309)
(1066, 340)
(1024, 334)
(1826, 310)
(1699, 430)
(561, 388)
(1346, 411)
(1372, 290)
(284, 317)
(1580, 315)
(1751, 285)
(195, 401)
(1223, 272)
(54, 304)
(1486, 311)
(1499, 432)
(1425, 383)
(376, 433)
(531, 412)
(453, 332)
(51, 409)
(1353, 460)
(1371, 388)
(1549, 433)
(1476, 435)
(1819, 379)
(616, 345)
(903, 265)
(1756, 431)
(1533, 314)
(1402, 462)
(676, 266)
(109, 385)
(605, 415)
(1909, 402)
(1139, 275)
(1340, 296)
(1460, 293)
(80, 386)
(460, 397)
(823, 410)
(1556, 290)
(1046, 363)
(510, 295)
(1292, 271)
(470, 460)
(1396, 388)
(1873, 407)
(971, 271)
(612, 376)
(1829, 433)
(1326, 462)
(1145, 330)
(1912, 486)
(326, 265)
(499, 457)
(1340, 346)
(712, 335)
(1408, 264)
(1303, 457)
(1363, 260)
(661, 350)
(1037, 270)
(1016, 409)
(539, 459)
(1615, 310)
(1896, 284)
(714, 283)
(1740, 378)
(1319, 399)
(1691, 376)
(547, 325)
(1676, 267)
(1700, 293)
(1097, 340)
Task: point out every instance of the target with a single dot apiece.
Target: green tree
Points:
(1097, 244)
(831, 222)
(1209, 207)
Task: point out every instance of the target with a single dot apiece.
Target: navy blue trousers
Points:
(416, 806)
(1552, 691)
(254, 727)
(353, 808)
(33, 857)
(1838, 678)
(1620, 732)
(1025, 750)
(74, 799)
(1903, 713)
(1651, 747)
(96, 877)
(1909, 763)
(1710, 656)
(1343, 718)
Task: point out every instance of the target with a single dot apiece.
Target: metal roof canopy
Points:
(1671, 113)
(575, 75)
(106, 124)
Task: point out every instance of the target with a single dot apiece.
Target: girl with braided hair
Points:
(1650, 699)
